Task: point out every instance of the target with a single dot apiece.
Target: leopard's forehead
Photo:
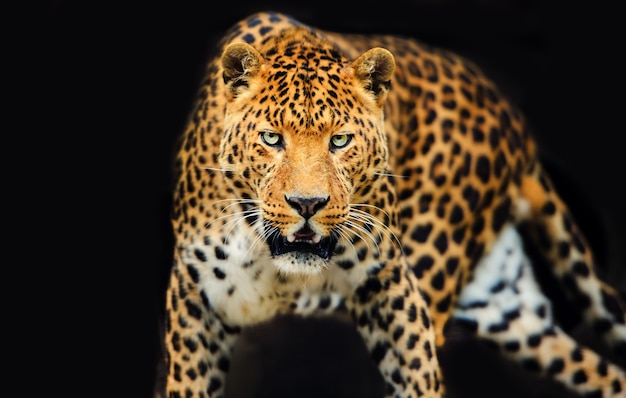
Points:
(305, 87)
(298, 43)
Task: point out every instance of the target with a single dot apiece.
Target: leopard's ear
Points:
(240, 62)
(374, 69)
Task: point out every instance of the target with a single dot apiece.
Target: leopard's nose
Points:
(307, 207)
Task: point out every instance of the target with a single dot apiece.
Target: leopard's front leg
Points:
(395, 324)
(198, 344)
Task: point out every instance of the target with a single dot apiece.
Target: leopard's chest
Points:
(243, 284)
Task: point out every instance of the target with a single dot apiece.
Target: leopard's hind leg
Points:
(504, 304)
(561, 243)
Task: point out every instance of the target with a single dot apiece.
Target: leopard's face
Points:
(303, 145)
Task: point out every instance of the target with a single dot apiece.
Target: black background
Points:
(119, 79)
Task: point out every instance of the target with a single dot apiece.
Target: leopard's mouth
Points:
(303, 241)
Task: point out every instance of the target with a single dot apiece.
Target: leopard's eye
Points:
(271, 138)
(340, 140)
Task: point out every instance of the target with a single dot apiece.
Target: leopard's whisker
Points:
(379, 225)
(355, 227)
(384, 174)
(221, 170)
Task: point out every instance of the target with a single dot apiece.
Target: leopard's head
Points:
(304, 143)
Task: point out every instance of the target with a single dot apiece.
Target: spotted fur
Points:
(378, 178)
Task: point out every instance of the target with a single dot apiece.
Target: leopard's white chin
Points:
(302, 263)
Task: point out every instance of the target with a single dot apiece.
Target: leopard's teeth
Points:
(314, 239)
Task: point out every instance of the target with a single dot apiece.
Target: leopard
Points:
(382, 180)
